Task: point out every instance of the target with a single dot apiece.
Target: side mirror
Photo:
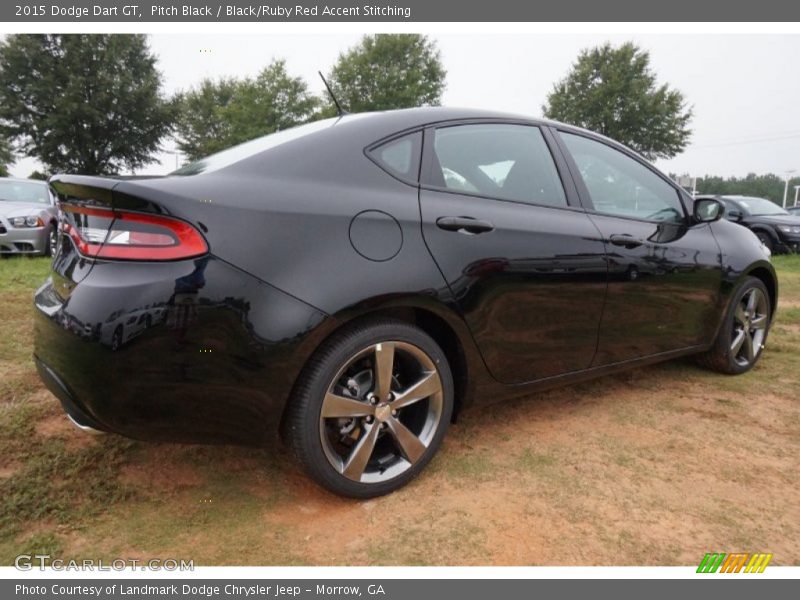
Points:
(708, 210)
(735, 215)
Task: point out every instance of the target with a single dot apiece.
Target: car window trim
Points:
(567, 185)
(583, 191)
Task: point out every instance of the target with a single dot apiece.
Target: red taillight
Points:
(113, 234)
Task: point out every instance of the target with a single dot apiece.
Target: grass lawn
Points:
(653, 466)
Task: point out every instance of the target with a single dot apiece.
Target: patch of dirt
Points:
(59, 426)
(655, 466)
(9, 470)
(160, 471)
(623, 473)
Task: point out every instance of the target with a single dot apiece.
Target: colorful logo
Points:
(734, 563)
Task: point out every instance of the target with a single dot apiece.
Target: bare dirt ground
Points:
(655, 466)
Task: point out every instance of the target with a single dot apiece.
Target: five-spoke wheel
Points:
(744, 330)
(379, 397)
(750, 322)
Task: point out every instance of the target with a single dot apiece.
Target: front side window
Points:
(507, 162)
(621, 186)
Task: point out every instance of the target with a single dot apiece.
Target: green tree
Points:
(223, 113)
(38, 175)
(90, 104)
(613, 91)
(6, 157)
(768, 186)
(388, 71)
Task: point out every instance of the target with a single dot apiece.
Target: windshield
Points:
(24, 191)
(760, 206)
(232, 155)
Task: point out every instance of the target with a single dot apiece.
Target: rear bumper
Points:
(189, 351)
(69, 403)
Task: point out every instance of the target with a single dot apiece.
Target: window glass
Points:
(232, 155)
(400, 156)
(620, 185)
(509, 162)
(34, 192)
(728, 206)
(760, 206)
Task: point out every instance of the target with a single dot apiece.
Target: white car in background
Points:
(28, 217)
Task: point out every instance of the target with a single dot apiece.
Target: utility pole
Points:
(796, 189)
(786, 187)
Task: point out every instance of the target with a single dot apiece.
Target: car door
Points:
(523, 262)
(664, 272)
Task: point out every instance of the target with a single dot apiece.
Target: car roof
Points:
(733, 197)
(411, 118)
(24, 180)
(414, 117)
(384, 124)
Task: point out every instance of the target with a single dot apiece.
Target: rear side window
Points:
(496, 160)
(621, 186)
(400, 156)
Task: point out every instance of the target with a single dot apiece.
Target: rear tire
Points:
(371, 408)
(744, 330)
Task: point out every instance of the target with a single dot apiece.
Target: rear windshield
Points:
(223, 159)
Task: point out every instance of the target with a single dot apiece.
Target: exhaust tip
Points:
(85, 428)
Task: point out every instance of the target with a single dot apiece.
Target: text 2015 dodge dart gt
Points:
(355, 282)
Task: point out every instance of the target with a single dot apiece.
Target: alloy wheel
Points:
(381, 412)
(749, 327)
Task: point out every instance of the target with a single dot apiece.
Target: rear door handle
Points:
(464, 224)
(628, 241)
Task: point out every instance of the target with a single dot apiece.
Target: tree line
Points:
(770, 186)
(94, 104)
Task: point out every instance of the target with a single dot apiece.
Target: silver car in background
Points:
(28, 217)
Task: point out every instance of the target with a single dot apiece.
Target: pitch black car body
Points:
(301, 234)
(778, 229)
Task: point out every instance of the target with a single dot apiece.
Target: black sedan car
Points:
(777, 229)
(356, 282)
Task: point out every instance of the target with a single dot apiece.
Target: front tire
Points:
(767, 240)
(52, 242)
(116, 339)
(371, 408)
(744, 330)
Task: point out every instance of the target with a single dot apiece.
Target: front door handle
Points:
(625, 240)
(464, 224)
